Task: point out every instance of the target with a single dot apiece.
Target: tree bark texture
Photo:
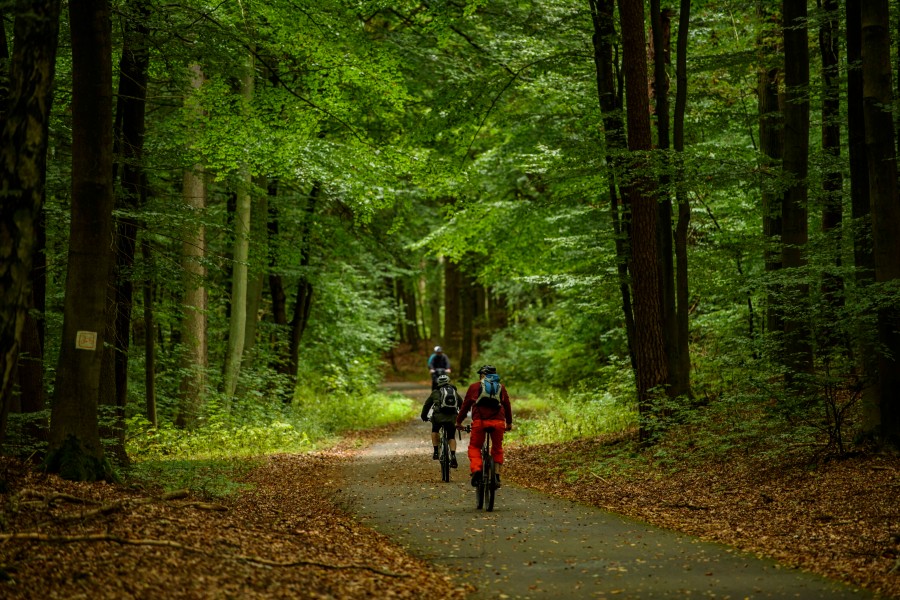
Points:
(452, 310)
(640, 196)
(863, 259)
(832, 181)
(885, 204)
(303, 301)
(683, 363)
(257, 270)
(149, 340)
(240, 256)
(467, 296)
(771, 147)
(795, 228)
(195, 357)
(608, 94)
(128, 148)
(23, 157)
(75, 450)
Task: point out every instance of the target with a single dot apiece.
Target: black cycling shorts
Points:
(449, 427)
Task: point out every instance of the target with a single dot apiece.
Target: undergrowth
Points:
(210, 459)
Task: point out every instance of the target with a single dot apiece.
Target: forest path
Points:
(537, 546)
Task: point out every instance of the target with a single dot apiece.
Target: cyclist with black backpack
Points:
(446, 402)
(491, 412)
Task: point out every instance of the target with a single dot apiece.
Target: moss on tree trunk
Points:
(75, 462)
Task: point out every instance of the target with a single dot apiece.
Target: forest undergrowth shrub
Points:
(592, 407)
(206, 458)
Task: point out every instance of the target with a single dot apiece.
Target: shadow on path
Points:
(536, 546)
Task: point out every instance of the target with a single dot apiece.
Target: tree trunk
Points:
(452, 310)
(649, 350)
(240, 255)
(195, 357)
(877, 104)
(149, 339)
(771, 147)
(683, 363)
(661, 28)
(128, 144)
(863, 259)
(257, 275)
(467, 299)
(795, 232)
(832, 180)
(434, 292)
(23, 156)
(602, 13)
(75, 451)
(303, 303)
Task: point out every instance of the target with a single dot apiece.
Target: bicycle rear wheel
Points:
(479, 495)
(490, 487)
(445, 457)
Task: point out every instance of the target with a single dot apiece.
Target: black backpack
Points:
(446, 401)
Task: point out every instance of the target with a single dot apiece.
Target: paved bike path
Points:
(537, 546)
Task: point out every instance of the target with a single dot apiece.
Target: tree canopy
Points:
(656, 203)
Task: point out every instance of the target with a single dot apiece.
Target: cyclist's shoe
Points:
(453, 463)
(435, 455)
(496, 481)
(476, 478)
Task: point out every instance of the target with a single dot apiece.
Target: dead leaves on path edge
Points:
(840, 519)
(282, 538)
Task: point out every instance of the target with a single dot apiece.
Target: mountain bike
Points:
(487, 487)
(444, 455)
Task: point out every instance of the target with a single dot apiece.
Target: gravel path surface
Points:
(537, 546)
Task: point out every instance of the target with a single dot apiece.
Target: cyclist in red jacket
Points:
(495, 414)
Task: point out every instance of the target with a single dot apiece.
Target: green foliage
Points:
(556, 416)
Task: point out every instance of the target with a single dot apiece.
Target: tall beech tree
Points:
(770, 104)
(609, 96)
(885, 203)
(860, 209)
(195, 356)
(75, 451)
(649, 350)
(237, 329)
(23, 155)
(795, 166)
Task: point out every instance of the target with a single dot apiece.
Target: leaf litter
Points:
(840, 519)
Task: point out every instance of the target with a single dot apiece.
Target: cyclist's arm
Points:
(427, 406)
(466, 405)
(507, 407)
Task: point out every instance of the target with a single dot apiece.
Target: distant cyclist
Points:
(489, 403)
(438, 363)
(446, 402)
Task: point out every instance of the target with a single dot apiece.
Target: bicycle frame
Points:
(444, 455)
(487, 488)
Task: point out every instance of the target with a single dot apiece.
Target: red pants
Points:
(476, 438)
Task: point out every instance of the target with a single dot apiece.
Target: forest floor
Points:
(284, 537)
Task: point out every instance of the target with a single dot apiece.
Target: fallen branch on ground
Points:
(105, 537)
(119, 505)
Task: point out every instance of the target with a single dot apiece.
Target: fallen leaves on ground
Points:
(281, 538)
(840, 519)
